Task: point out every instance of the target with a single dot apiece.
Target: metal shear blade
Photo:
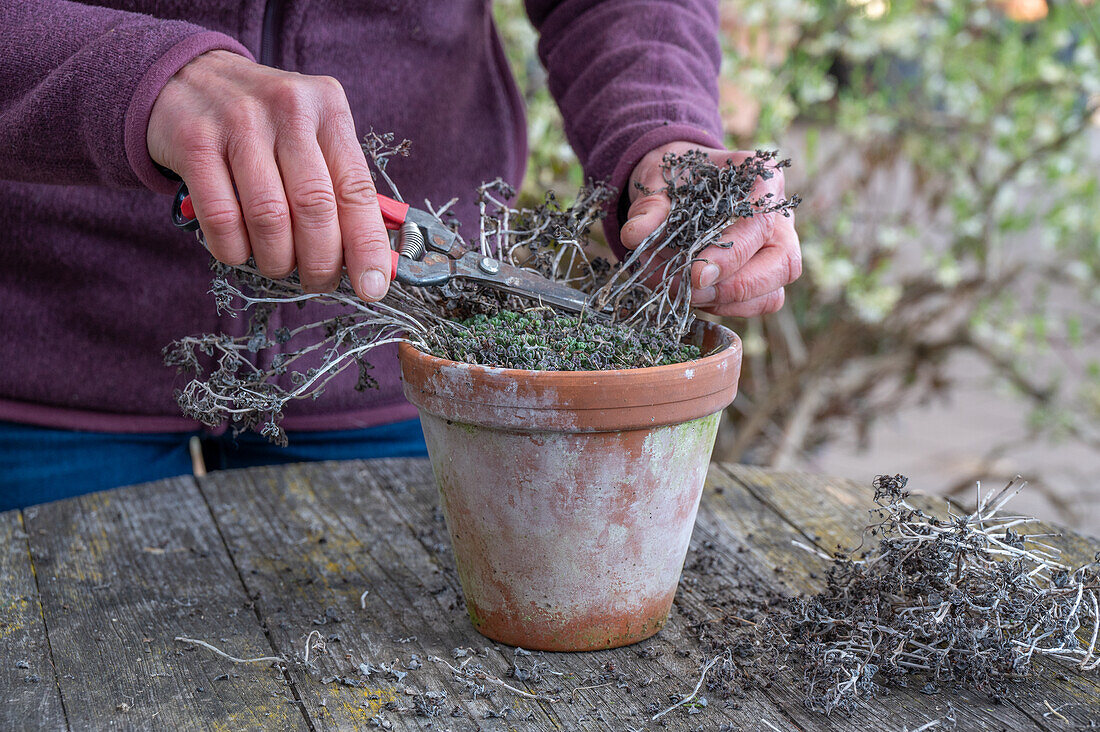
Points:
(473, 267)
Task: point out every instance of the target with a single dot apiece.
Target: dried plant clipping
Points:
(650, 311)
(964, 600)
(652, 284)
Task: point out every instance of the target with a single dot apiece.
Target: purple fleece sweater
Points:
(95, 281)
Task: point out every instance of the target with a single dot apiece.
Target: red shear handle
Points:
(394, 256)
(393, 212)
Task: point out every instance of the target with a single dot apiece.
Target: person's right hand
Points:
(288, 143)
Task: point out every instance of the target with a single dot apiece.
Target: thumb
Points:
(645, 214)
(649, 204)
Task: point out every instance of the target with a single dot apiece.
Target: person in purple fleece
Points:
(259, 106)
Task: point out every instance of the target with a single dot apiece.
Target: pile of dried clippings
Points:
(967, 601)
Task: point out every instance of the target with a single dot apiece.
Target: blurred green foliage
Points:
(947, 155)
(551, 164)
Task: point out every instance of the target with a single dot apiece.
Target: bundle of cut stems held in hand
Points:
(653, 285)
(648, 296)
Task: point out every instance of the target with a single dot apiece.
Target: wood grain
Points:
(121, 574)
(258, 562)
(307, 564)
(29, 696)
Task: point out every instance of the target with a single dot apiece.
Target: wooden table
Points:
(95, 590)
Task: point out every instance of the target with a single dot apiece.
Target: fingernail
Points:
(709, 275)
(372, 284)
(703, 295)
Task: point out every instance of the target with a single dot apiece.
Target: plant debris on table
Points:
(542, 340)
(971, 600)
(247, 380)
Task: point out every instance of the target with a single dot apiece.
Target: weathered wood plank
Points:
(29, 696)
(121, 574)
(644, 675)
(307, 565)
(149, 563)
(833, 511)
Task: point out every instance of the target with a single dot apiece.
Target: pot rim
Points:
(576, 401)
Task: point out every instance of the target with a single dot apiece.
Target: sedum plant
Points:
(638, 315)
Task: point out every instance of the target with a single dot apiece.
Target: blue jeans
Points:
(39, 464)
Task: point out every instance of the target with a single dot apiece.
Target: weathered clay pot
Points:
(570, 497)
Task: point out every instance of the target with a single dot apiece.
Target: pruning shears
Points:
(428, 253)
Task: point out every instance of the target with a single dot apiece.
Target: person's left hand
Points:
(743, 280)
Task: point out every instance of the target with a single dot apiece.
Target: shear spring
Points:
(411, 241)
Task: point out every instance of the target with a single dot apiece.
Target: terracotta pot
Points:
(570, 497)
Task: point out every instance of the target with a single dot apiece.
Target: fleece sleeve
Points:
(629, 76)
(77, 86)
